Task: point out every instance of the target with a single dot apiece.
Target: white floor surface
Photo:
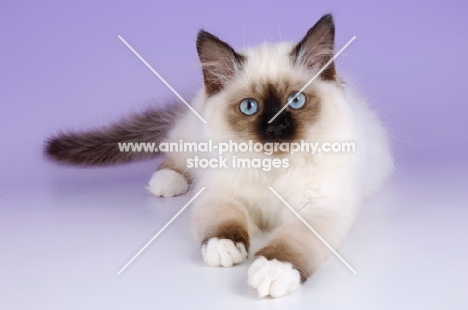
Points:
(62, 248)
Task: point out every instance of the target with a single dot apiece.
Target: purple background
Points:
(62, 66)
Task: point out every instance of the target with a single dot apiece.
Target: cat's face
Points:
(251, 102)
(247, 92)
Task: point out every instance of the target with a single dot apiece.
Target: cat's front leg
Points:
(293, 254)
(169, 180)
(278, 269)
(223, 231)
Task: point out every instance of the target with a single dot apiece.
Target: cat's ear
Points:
(316, 48)
(219, 61)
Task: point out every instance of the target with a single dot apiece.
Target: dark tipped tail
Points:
(101, 147)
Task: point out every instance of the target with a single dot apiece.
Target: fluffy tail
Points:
(101, 147)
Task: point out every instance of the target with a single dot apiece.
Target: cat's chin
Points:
(277, 140)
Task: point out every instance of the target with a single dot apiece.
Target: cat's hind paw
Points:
(223, 252)
(167, 183)
(273, 278)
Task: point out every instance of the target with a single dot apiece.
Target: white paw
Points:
(167, 183)
(223, 252)
(273, 278)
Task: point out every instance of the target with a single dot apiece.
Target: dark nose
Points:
(278, 126)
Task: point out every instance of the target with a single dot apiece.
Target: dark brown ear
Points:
(219, 61)
(316, 48)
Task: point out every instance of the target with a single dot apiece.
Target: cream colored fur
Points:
(326, 189)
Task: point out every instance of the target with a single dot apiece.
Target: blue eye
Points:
(248, 106)
(298, 102)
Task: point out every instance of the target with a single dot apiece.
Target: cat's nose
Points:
(279, 125)
(276, 131)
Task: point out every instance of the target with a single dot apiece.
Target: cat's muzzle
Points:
(279, 127)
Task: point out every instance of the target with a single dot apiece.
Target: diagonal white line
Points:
(313, 230)
(161, 78)
(312, 79)
(160, 231)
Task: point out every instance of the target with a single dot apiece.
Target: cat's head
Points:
(245, 91)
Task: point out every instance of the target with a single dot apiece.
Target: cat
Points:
(242, 92)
